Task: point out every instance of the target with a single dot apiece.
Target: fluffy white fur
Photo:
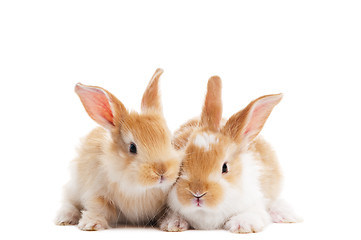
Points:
(281, 212)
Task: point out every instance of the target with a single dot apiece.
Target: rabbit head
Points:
(212, 166)
(138, 150)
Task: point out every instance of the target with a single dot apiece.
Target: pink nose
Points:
(197, 198)
(161, 179)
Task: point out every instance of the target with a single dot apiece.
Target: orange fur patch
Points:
(271, 177)
(198, 165)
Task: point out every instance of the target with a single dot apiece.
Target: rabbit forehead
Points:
(146, 130)
(205, 153)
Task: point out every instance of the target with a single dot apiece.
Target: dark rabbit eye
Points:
(133, 148)
(225, 168)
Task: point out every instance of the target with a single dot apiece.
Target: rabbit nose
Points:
(198, 195)
(161, 179)
(160, 170)
(197, 188)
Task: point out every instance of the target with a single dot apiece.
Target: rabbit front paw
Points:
(90, 223)
(248, 222)
(281, 212)
(68, 215)
(174, 223)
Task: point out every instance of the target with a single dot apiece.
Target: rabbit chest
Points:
(141, 207)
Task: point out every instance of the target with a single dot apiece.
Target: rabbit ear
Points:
(247, 123)
(212, 109)
(102, 106)
(151, 96)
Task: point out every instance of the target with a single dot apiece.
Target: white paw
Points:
(68, 216)
(281, 212)
(89, 223)
(174, 223)
(248, 222)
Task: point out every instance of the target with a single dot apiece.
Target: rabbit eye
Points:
(225, 168)
(133, 148)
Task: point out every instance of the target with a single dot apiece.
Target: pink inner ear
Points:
(258, 118)
(96, 104)
(102, 107)
(253, 121)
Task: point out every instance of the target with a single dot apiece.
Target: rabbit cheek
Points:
(184, 196)
(147, 176)
(214, 195)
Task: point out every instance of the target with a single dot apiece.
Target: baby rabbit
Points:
(125, 168)
(229, 177)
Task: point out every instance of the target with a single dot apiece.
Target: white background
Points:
(310, 50)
